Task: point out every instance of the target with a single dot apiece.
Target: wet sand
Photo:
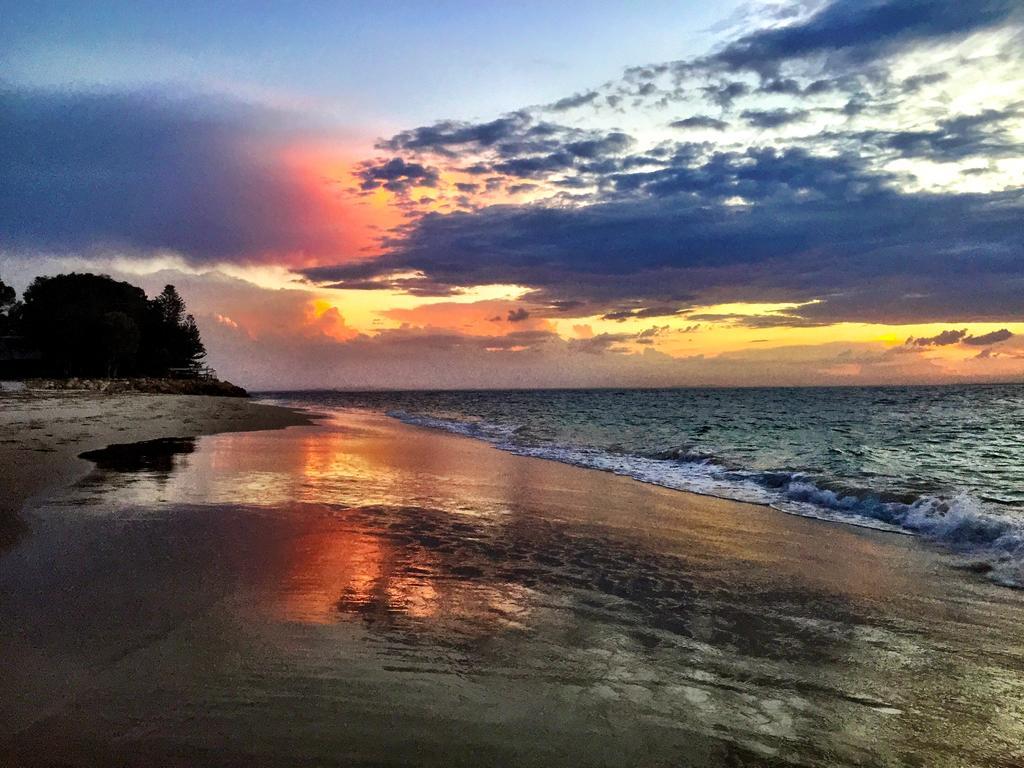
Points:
(361, 592)
(42, 433)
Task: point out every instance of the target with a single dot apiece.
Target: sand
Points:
(42, 433)
(361, 592)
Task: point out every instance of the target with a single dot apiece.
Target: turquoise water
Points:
(945, 463)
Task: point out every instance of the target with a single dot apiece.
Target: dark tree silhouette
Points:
(67, 318)
(174, 340)
(8, 308)
(92, 325)
(7, 296)
(192, 343)
(171, 306)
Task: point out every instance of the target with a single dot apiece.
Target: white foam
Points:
(960, 522)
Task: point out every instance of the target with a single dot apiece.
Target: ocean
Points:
(945, 463)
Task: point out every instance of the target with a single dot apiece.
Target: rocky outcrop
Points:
(143, 385)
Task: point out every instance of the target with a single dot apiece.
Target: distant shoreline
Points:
(668, 388)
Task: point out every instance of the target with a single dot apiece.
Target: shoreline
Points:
(411, 579)
(43, 433)
(134, 417)
(954, 524)
(686, 491)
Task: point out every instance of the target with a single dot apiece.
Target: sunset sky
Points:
(476, 194)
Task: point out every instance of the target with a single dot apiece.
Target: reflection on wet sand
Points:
(158, 458)
(368, 568)
(366, 593)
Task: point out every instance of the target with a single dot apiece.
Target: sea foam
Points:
(959, 522)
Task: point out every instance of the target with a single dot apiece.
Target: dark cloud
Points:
(571, 102)
(700, 121)
(538, 166)
(724, 94)
(612, 143)
(782, 85)
(756, 174)
(649, 335)
(989, 338)
(953, 336)
(519, 146)
(854, 32)
(774, 118)
(917, 82)
(943, 339)
(148, 171)
(642, 313)
(517, 315)
(768, 320)
(599, 344)
(397, 175)
(445, 136)
(811, 227)
(985, 134)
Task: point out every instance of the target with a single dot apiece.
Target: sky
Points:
(539, 194)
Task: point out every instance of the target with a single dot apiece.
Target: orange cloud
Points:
(324, 318)
(480, 318)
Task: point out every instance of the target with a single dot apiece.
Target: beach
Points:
(42, 433)
(359, 591)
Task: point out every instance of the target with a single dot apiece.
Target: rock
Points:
(213, 387)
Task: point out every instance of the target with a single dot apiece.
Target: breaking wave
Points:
(960, 523)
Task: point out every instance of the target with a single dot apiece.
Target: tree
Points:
(175, 341)
(170, 306)
(7, 297)
(68, 319)
(8, 309)
(192, 342)
(122, 337)
(92, 325)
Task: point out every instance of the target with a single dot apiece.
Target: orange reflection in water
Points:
(373, 565)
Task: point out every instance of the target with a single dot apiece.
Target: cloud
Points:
(952, 336)
(626, 220)
(276, 341)
(989, 338)
(945, 338)
(572, 102)
(648, 335)
(724, 94)
(768, 320)
(644, 312)
(808, 227)
(442, 359)
(849, 33)
(774, 118)
(396, 175)
(828, 222)
(443, 136)
(149, 171)
(986, 134)
(916, 82)
(700, 122)
(599, 344)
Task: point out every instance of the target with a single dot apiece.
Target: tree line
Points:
(94, 326)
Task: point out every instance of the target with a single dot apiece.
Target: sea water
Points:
(943, 462)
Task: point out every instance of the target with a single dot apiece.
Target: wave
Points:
(990, 543)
